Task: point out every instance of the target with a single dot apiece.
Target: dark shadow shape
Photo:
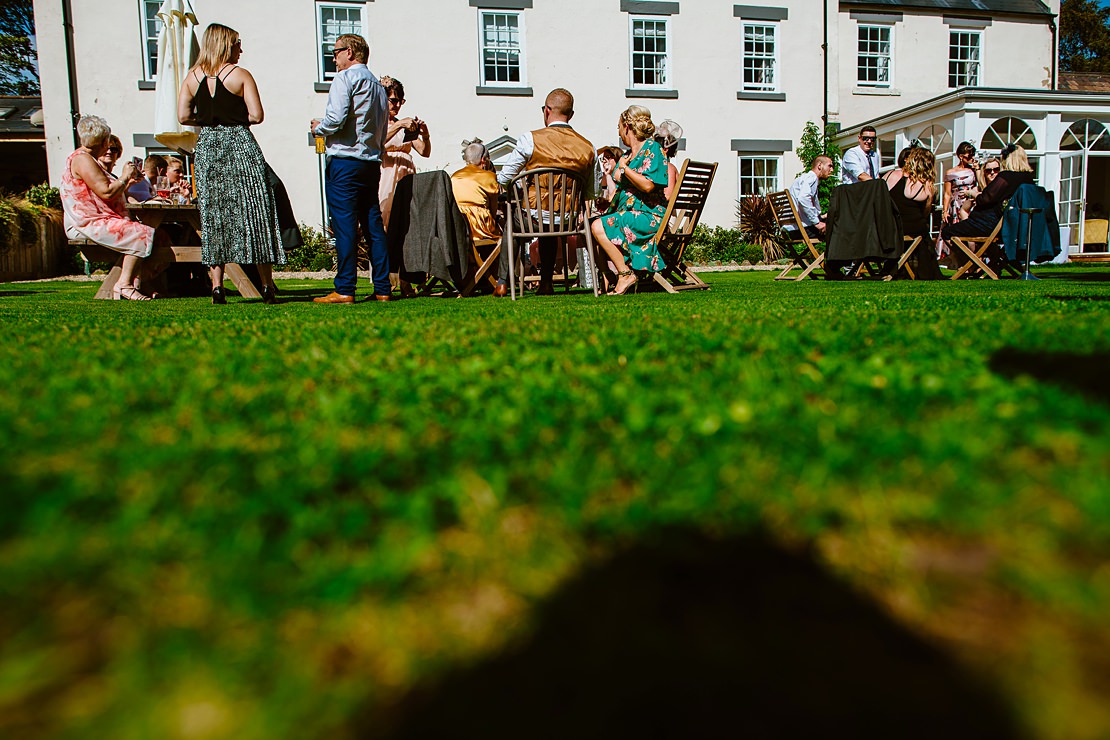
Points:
(16, 293)
(1075, 276)
(688, 637)
(1079, 298)
(1083, 373)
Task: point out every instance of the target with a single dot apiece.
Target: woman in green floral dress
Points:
(627, 231)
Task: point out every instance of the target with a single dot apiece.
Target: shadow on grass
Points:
(16, 293)
(1079, 298)
(1076, 276)
(688, 637)
(1083, 373)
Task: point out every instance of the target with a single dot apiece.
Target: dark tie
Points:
(871, 166)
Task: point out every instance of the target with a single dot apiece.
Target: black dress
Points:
(238, 212)
(915, 223)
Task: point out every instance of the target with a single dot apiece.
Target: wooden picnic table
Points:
(155, 215)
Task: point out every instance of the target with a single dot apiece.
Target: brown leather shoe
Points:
(545, 288)
(334, 297)
(501, 290)
(383, 298)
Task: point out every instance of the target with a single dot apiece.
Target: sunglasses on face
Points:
(867, 138)
(336, 50)
(114, 150)
(397, 101)
(991, 170)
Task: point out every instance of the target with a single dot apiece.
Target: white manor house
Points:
(741, 79)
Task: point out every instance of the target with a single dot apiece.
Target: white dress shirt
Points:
(804, 192)
(855, 163)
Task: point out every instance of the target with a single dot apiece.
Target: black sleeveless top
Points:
(224, 108)
(915, 219)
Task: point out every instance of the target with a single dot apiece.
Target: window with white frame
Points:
(502, 47)
(964, 58)
(332, 21)
(152, 26)
(873, 60)
(761, 57)
(758, 175)
(649, 49)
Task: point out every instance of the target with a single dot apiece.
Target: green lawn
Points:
(275, 521)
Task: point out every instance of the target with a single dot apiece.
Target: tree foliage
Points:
(18, 73)
(1084, 36)
(811, 146)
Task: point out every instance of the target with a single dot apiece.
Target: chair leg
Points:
(783, 275)
(811, 267)
(591, 258)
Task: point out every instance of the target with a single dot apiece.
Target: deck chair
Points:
(802, 250)
(547, 202)
(677, 230)
(975, 256)
(903, 261)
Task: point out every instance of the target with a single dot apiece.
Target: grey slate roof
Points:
(978, 7)
(14, 116)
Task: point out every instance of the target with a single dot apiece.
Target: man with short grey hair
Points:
(355, 128)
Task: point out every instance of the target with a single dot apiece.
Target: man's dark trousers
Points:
(351, 186)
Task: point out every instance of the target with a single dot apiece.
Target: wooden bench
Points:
(93, 252)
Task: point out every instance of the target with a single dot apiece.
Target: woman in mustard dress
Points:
(627, 232)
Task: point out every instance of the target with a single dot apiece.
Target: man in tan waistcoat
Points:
(555, 145)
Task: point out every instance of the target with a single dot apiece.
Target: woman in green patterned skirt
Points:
(627, 231)
(238, 213)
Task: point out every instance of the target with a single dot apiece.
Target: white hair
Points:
(93, 130)
(474, 152)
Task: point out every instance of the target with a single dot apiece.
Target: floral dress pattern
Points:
(88, 216)
(634, 217)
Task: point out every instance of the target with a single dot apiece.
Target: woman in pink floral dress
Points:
(95, 207)
(627, 231)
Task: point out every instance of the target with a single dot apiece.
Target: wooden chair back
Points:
(546, 202)
(684, 209)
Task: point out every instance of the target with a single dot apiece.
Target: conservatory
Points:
(1064, 133)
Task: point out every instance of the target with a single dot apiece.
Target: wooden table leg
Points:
(243, 283)
(105, 292)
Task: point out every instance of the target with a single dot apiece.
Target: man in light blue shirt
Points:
(861, 162)
(804, 192)
(355, 127)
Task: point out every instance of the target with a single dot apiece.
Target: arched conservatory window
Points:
(1006, 131)
(1085, 134)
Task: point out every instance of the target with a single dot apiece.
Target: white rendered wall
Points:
(1015, 54)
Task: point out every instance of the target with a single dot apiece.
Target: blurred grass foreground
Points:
(765, 510)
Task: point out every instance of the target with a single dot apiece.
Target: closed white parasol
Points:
(177, 51)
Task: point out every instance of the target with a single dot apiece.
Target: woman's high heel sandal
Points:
(128, 293)
(623, 274)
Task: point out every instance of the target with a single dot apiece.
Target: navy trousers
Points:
(352, 191)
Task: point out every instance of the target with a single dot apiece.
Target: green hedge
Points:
(718, 244)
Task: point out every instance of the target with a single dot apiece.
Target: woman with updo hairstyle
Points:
(627, 231)
(95, 206)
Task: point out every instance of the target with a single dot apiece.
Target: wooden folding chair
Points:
(677, 230)
(975, 256)
(486, 265)
(807, 258)
(903, 261)
(547, 202)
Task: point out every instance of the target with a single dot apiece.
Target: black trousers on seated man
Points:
(548, 247)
